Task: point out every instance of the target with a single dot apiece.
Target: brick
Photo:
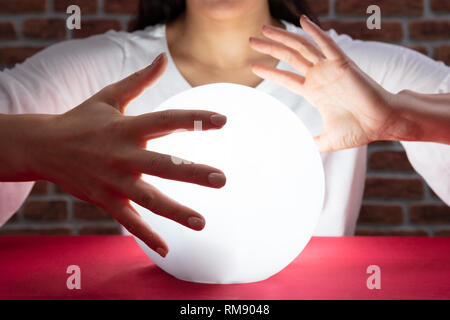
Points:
(319, 7)
(45, 210)
(28, 231)
(89, 212)
(9, 56)
(441, 6)
(92, 27)
(442, 233)
(432, 193)
(429, 214)
(387, 7)
(131, 24)
(389, 160)
(405, 233)
(377, 187)
(22, 6)
(40, 187)
(121, 6)
(7, 31)
(14, 218)
(390, 30)
(58, 189)
(420, 49)
(86, 6)
(429, 29)
(47, 29)
(92, 230)
(442, 53)
(380, 214)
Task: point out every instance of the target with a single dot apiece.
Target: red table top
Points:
(114, 267)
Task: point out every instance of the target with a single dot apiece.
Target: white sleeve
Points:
(54, 81)
(432, 160)
(397, 68)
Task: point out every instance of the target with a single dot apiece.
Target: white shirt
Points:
(64, 75)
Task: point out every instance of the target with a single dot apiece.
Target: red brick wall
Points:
(396, 200)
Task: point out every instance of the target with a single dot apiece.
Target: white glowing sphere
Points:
(265, 214)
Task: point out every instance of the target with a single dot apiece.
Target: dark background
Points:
(396, 199)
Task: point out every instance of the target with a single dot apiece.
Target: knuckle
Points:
(195, 174)
(133, 229)
(116, 126)
(108, 95)
(158, 165)
(289, 56)
(137, 75)
(148, 201)
(166, 118)
(94, 195)
(134, 77)
(327, 36)
(152, 244)
(109, 89)
(272, 48)
(295, 58)
(193, 116)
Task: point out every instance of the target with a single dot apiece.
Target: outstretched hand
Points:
(355, 109)
(98, 154)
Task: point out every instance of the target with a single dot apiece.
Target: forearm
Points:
(426, 115)
(18, 141)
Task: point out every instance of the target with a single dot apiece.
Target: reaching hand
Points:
(355, 109)
(98, 154)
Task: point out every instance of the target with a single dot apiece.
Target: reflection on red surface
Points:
(114, 267)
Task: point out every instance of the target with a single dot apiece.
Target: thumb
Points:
(323, 143)
(122, 92)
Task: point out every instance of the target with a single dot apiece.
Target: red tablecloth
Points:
(114, 267)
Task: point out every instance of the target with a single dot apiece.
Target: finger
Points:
(170, 167)
(152, 199)
(121, 93)
(282, 52)
(132, 221)
(292, 81)
(326, 44)
(303, 45)
(156, 124)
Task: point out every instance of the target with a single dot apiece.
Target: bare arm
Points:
(428, 116)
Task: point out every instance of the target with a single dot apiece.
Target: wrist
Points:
(39, 138)
(403, 122)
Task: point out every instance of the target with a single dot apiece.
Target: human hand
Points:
(98, 154)
(355, 109)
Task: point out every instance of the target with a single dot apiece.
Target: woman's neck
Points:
(218, 44)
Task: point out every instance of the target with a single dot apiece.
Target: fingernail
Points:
(161, 252)
(196, 223)
(218, 120)
(217, 179)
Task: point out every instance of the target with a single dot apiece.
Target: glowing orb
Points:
(266, 213)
